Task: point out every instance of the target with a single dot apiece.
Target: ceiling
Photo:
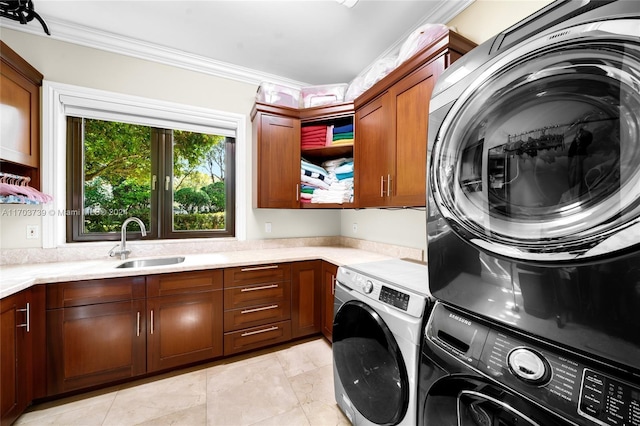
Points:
(296, 42)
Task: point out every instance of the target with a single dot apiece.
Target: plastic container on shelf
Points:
(278, 95)
(419, 39)
(326, 94)
(371, 76)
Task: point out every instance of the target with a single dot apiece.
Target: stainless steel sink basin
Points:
(143, 263)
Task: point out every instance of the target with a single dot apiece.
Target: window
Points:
(180, 183)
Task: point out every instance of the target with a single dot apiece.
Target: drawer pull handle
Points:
(250, 333)
(138, 325)
(259, 268)
(264, 287)
(264, 308)
(152, 325)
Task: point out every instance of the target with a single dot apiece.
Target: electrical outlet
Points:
(267, 227)
(355, 228)
(33, 232)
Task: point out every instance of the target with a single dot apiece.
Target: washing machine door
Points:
(469, 401)
(369, 364)
(538, 158)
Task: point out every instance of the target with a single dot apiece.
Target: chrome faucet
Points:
(123, 252)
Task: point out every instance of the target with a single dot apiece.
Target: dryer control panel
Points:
(560, 383)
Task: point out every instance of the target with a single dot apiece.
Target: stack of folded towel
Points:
(314, 136)
(342, 135)
(331, 183)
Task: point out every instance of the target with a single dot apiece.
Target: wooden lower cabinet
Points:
(306, 298)
(101, 331)
(183, 329)
(257, 307)
(329, 273)
(95, 344)
(22, 334)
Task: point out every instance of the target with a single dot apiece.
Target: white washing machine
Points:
(379, 309)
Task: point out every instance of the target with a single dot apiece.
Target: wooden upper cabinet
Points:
(20, 110)
(391, 128)
(277, 161)
(411, 97)
(372, 162)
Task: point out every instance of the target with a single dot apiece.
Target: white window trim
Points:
(59, 98)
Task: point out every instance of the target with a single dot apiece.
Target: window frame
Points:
(161, 200)
(61, 100)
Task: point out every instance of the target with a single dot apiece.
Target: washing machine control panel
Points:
(384, 292)
(560, 383)
(394, 297)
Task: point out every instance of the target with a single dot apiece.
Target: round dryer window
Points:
(369, 364)
(538, 158)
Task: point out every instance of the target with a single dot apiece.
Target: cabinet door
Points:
(278, 161)
(183, 328)
(373, 152)
(95, 344)
(13, 357)
(306, 298)
(329, 272)
(20, 118)
(411, 97)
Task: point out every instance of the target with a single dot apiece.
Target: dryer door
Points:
(369, 364)
(538, 158)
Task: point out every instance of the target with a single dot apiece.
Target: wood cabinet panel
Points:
(257, 315)
(261, 274)
(181, 282)
(13, 361)
(373, 152)
(278, 161)
(95, 344)
(306, 298)
(22, 342)
(329, 273)
(20, 119)
(79, 293)
(256, 337)
(183, 328)
(412, 95)
(256, 294)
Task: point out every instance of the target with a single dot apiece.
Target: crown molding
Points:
(66, 31)
(81, 35)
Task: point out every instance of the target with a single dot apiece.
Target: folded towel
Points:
(343, 129)
(338, 136)
(344, 167)
(312, 167)
(312, 129)
(342, 142)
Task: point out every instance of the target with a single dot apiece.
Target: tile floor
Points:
(287, 385)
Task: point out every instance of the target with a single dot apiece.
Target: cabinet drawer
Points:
(90, 292)
(257, 315)
(256, 337)
(184, 282)
(235, 277)
(256, 294)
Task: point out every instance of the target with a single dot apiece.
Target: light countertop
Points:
(14, 278)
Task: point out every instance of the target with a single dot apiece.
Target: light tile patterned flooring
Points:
(287, 385)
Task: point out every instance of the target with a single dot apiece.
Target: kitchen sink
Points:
(143, 263)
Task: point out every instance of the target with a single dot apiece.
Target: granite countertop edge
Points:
(15, 278)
